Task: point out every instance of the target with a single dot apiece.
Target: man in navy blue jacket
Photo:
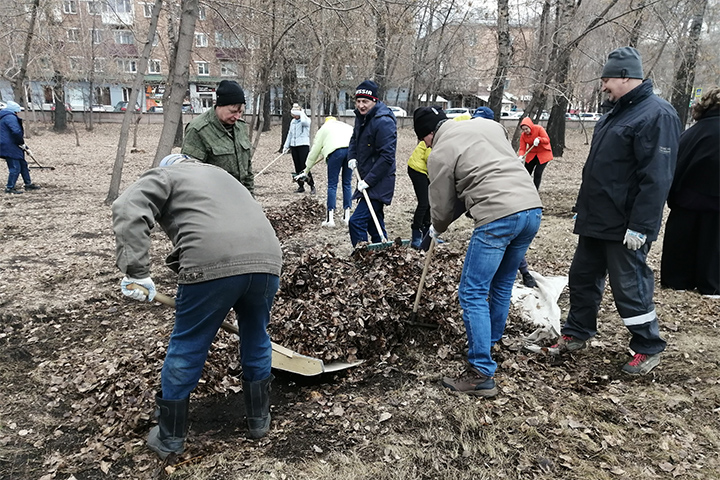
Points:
(12, 148)
(625, 182)
(372, 152)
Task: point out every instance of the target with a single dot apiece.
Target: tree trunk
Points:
(687, 52)
(505, 52)
(178, 80)
(19, 80)
(289, 83)
(60, 117)
(116, 176)
(380, 70)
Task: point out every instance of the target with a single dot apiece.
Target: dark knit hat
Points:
(425, 119)
(624, 62)
(484, 112)
(367, 89)
(229, 93)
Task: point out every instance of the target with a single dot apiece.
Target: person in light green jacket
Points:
(220, 136)
(331, 142)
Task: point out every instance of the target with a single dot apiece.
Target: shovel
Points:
(27, 150)
(528, 151)
(413, 317)
(383, 240)
(282, 358)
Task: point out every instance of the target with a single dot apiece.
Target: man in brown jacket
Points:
(472, 164)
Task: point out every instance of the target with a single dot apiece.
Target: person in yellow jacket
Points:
(418, 173)
(331, 142)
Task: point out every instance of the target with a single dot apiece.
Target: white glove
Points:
(25, 147)
(285, 151)
(521, 158)
(137, 294)
(302, 176)
(433, 233)
(536, 142)
(634, 240)
(362, 185)
(352, 164)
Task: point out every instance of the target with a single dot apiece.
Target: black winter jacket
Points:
(696, 185)
(629, 170)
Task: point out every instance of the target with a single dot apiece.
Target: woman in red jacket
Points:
(535, 142)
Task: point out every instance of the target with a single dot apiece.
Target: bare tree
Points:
(116, 176)
(687, 55)
(505, 52)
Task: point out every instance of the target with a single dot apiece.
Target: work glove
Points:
(300, 177)
(285, 151)
(521, 158)
(352, 164)
(430, 236)
(536, 142)
(137, 294)
(362, 185)
(634, 240)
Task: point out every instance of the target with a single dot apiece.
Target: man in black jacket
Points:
(625, 182)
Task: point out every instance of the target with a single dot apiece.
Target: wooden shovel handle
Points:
(170, 301)
(424, 274)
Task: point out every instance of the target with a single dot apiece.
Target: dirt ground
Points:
(79, 363)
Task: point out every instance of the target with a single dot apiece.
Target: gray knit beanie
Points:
(624, 62)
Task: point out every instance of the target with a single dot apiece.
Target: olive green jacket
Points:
(209, 141)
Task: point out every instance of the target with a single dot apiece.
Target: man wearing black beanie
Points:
(220, 136)
(372, 152)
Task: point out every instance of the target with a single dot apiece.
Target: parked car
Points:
(510, 115)
(456, 112)
(96, 108)
(572, 117)
(187, 108)
(399, 112)
(544, 115)
(122, 106)
(589, 116)
(155, 109)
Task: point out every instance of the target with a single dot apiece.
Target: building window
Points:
(99, 65)
(154, 66)
(127, 66)
(201, 40)
(75, 63)
(120, 6)
(300, 71)
(147, 9)
(124, 37)
(201, 13)
(203, 68)
(228, 69)
(73, 34)
(227, 40)
(94, 7)
(96, 36)
(70, 7)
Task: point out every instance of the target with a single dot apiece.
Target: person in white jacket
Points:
(297, 143)
(331, 142)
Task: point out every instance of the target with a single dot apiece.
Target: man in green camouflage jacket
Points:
(220, 136)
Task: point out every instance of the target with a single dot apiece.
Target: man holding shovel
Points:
(472, 163)
(372, 152)
(226, 255)
(12, 148)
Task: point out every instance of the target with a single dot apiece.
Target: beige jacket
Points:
(217, 229)
(472, 162)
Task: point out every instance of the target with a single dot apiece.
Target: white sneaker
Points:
(329, 222)
(346, 216)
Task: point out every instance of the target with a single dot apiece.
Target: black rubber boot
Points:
(257, 406)
(168, 436)
(301, 187)
(417, 236)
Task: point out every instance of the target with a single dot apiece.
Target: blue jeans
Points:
(200, 311)
(336, 161)
(491, 262)
(17, 167)
(361, 222)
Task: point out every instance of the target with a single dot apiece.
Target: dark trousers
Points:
(535, 168)
(299, 156)
(421, 185)
(691, 251)
(632, 285)
(361, 222)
